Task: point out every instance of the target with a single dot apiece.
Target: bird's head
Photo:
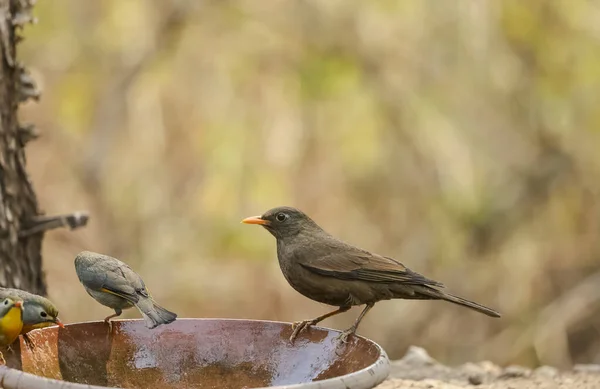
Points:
(9, 303)
(12, 301)
(283, 222)
(40, 314)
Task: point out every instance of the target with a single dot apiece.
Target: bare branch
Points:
(44, 223)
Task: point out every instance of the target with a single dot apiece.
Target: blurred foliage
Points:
(459, 137)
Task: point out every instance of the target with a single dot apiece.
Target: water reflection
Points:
(194, 353)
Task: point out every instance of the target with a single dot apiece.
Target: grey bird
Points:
(38, 311)
(330, 271)
(114, 284)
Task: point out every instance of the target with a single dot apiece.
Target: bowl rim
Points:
(365, 378)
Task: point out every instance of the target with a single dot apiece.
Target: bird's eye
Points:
(281, 217)
(5, 302)
(43, 314)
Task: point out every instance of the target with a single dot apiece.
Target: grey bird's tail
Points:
(154, 315)
(432, 293)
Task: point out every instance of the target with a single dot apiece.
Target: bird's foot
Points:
(109, 323)
(28, 342)
(299, 326)
(2, 360)
(343, 337)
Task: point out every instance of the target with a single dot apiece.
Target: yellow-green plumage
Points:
(11, 322)
(38, 311)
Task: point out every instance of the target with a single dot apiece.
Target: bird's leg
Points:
(2, 360)
(107, 319)
(343, 337)
(117, 313)
(300, 326)
(28, 342)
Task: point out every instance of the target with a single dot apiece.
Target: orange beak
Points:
(59, 323)
(256, 220)
(19, 304)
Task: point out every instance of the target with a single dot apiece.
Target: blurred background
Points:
(460, 137)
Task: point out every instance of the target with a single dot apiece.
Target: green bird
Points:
(38, 311)
(11, 322)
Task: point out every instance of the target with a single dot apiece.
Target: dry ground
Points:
(418, 370)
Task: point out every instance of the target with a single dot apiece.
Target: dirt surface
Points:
(418, 370)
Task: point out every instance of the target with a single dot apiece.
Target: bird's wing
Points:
(134, 280)
(354, 264)
(113, 277)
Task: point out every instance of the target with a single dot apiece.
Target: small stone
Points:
(417, 356)
(586, 368)
(515, 372)
(546, 371)
(474, 373)
(490, 368)
(476, 379)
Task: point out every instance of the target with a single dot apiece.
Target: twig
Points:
(44, 223)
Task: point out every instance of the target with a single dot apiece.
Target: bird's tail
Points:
(469, 304)
(438, 294)
(154, 315)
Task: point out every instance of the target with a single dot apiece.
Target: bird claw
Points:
(296, 324)
(2, 360)
(298, 327)
(343, 337)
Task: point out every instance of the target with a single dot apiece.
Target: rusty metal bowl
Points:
(192, 353)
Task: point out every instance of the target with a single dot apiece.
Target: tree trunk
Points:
(21, 224)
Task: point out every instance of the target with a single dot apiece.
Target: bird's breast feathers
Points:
(11, 324)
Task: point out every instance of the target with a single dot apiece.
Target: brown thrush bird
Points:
(327, 270)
